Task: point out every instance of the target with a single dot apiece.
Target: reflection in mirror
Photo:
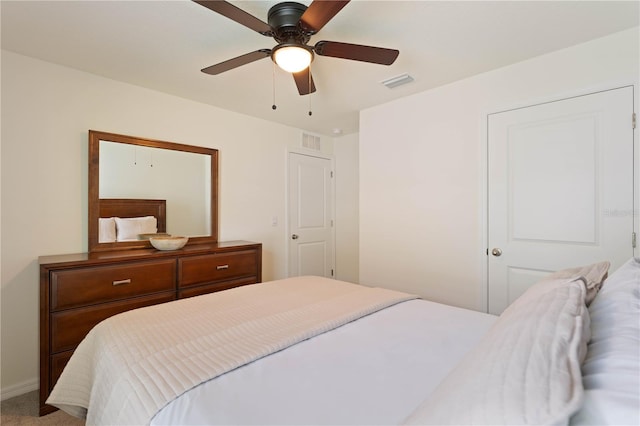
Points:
(132, 177)
(180, 178)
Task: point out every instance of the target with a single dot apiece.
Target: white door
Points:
(560, 189)
(311, 245)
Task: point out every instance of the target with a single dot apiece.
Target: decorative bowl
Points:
(168, 243)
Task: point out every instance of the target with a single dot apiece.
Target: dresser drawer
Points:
(68, 328)
(196, 270)
(58, 362)
(93, 285)
(194, 290)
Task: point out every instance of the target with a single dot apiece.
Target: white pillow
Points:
(611, 370)
(128, 229)
(593, 275)
(525, 370)
(106, 230)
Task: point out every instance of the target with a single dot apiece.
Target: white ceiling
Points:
(162, 45)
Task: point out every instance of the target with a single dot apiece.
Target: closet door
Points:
(560, 189)
(311, 237)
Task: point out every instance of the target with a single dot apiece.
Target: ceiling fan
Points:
(292, 24)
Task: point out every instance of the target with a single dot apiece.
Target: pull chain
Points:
(310, 113)
(274, 107)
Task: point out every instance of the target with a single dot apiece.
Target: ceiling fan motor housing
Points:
(284, 19)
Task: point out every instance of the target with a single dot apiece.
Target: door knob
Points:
(496, 252)
(294, 237)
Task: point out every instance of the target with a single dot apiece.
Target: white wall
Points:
(421, 167)
(46, 113)
(347, 211)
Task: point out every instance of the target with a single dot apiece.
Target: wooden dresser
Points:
(77, 291)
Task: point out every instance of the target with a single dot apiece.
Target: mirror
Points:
(132, 178)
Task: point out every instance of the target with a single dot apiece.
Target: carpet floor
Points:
(23, 410)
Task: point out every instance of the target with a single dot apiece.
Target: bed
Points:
(310, 350)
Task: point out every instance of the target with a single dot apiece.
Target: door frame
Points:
(483, 301)
(287, 230)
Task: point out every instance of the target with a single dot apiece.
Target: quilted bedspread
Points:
(133, 364)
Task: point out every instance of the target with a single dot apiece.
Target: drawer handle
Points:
(121, 282)
(219, 267)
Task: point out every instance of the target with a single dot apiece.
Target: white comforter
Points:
(133, 364)
(373, 371)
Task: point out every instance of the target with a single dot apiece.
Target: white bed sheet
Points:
(375, 370)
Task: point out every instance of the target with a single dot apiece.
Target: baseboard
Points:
(19, 389)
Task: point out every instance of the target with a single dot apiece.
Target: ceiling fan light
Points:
(292, 58)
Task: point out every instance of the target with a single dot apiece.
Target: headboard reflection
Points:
(125, 208)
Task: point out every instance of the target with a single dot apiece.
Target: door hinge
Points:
(331, 173)
(633, 120)
(332, 272)
(633, 239)
(332, 223)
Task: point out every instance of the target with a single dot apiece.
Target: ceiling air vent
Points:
(310, 141)
(398, 80)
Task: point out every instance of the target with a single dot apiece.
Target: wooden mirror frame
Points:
(94, 188)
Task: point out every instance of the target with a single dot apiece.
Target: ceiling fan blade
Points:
(236, 14)
(319, 13)
(304, 81)
(236, 62)
(356, 52)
